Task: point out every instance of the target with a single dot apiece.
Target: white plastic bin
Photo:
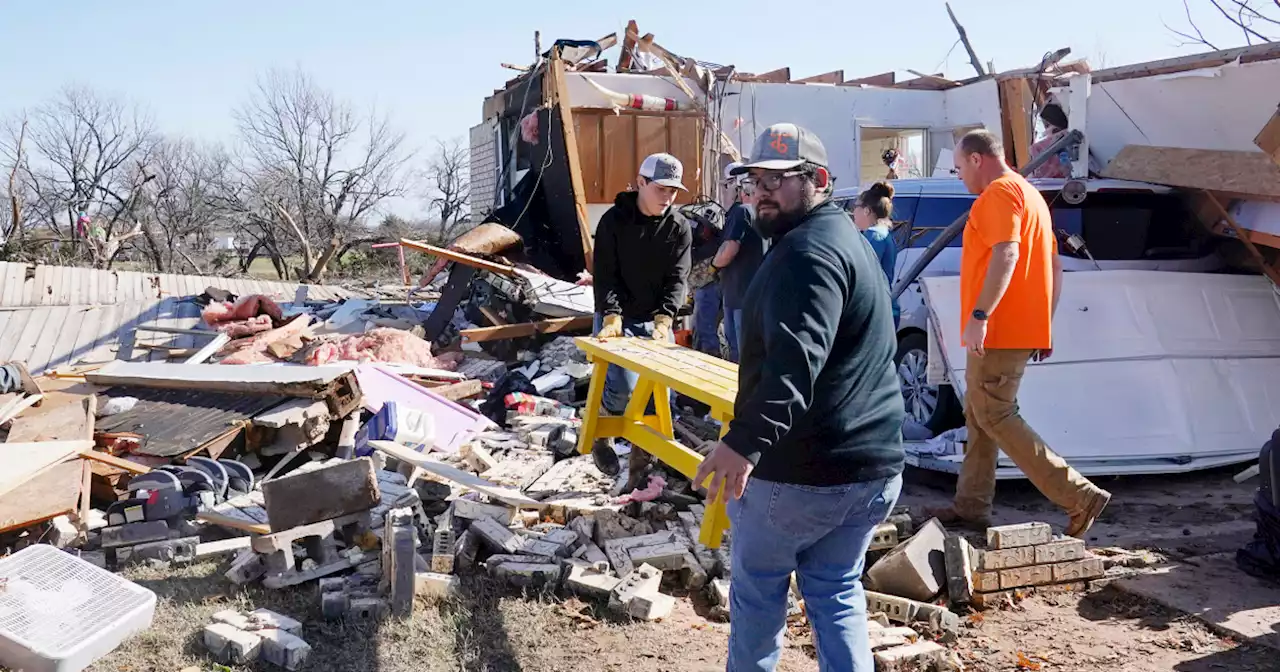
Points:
(59, 613)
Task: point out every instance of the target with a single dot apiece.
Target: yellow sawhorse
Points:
(661, 367)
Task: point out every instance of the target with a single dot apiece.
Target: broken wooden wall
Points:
(611, 147)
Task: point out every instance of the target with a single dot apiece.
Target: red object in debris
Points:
(649, 493)
(684, 337)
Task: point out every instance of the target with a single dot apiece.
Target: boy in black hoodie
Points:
(641, 272)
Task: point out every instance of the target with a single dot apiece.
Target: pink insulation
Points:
(249, 315)
(648, 493)
(379, 345)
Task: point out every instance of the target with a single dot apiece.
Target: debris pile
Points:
(236, 638)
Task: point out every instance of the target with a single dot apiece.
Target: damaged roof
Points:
(178, 422)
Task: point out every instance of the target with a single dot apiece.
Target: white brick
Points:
(283, 649)
(432, 584)
(231, 645)
(651, 606)
(265, 618)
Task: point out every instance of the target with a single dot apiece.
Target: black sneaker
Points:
(605, 458)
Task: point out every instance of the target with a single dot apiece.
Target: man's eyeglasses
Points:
(768, 181)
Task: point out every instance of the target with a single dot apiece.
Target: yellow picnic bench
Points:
(661, 367)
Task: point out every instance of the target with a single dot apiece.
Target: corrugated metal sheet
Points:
(177, 422)
(48, 337)
(39, 285)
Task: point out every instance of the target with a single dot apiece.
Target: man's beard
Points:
(782, 221)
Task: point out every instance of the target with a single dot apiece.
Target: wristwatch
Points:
(979, 314)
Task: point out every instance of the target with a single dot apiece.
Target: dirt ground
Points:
(491, 631)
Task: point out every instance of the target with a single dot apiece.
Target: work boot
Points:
(638, 469)
(1080, 523)
(605, 457)
(949, 517)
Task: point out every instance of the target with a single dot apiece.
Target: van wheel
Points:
(934, 406)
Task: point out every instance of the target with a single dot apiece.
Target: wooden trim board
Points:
(459, 257)
(558, 92)
(526, 329)
(1268, 139)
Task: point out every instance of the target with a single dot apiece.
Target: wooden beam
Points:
(117, 462)
(630, 37)
(468, 480)
(883, 79)
(1016, 110)
(833, 77)
(526, 329)
(460, 257)
(559, 96)
(1243, 234)
(222, 520)
(1238, 174)
(1261, 52)
(1268, 139)
(779, 76)
(608, 41)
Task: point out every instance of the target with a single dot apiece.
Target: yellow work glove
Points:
(611, 327)
(661, 327)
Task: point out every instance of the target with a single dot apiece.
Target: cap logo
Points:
(778, 141)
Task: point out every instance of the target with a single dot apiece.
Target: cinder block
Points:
(472, 510)
(921, 655)
(651, 606)
(916, 569)
(668, 557)
(1067, 550)
(62, 532)
(584, 581)
(644, 579)
(1023, 577)
(495, 536)
(334, 604)
(959, 569)
(902, 610)
(719, 593)
(284, 649)
(248, 566)
(991, 599)
(491, 563)
(530, 546)
(401, 571)
(592, 555)
(231, 645)
(879, 641)
(528, 574)
(1009, 558)
(132, 534)
(1013, 536)
(321, 494)
(366, 609)
(234, 619)
(695, 577)
(432, 584)
(565, 537)
(585, 526)
(1080, 570)
(267, 619)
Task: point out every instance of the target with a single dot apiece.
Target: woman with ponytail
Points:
(871, 214)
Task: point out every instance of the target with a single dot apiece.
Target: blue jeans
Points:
(619, 383)
(733, 331)
(706, 319)
(820, 533)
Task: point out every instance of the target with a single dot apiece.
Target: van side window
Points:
(933, 214)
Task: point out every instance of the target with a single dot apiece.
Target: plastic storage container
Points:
(59, 613)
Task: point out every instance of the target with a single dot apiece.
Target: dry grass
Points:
(485, 630)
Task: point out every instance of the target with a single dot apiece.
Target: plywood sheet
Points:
(589, 155)
(1229, 172)
(53, 492)
(1268, 139)
(20, 461)
(619, 153)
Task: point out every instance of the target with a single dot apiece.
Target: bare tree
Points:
(13, 223)
(1257, 20)
(311, 170)
(448, 177)
(179, 208)
(83, 171)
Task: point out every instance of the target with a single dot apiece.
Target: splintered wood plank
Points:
(71, 421)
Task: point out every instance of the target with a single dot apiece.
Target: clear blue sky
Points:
(430, 64)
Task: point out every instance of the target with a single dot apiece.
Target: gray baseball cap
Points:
(784, 147)
(663, 169)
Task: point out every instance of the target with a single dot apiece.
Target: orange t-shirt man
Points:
(1011, 210)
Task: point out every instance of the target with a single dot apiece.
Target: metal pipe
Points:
(1072, 138)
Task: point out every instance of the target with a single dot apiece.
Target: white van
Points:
(1125, 226)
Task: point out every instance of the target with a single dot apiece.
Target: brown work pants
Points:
(991, 414)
